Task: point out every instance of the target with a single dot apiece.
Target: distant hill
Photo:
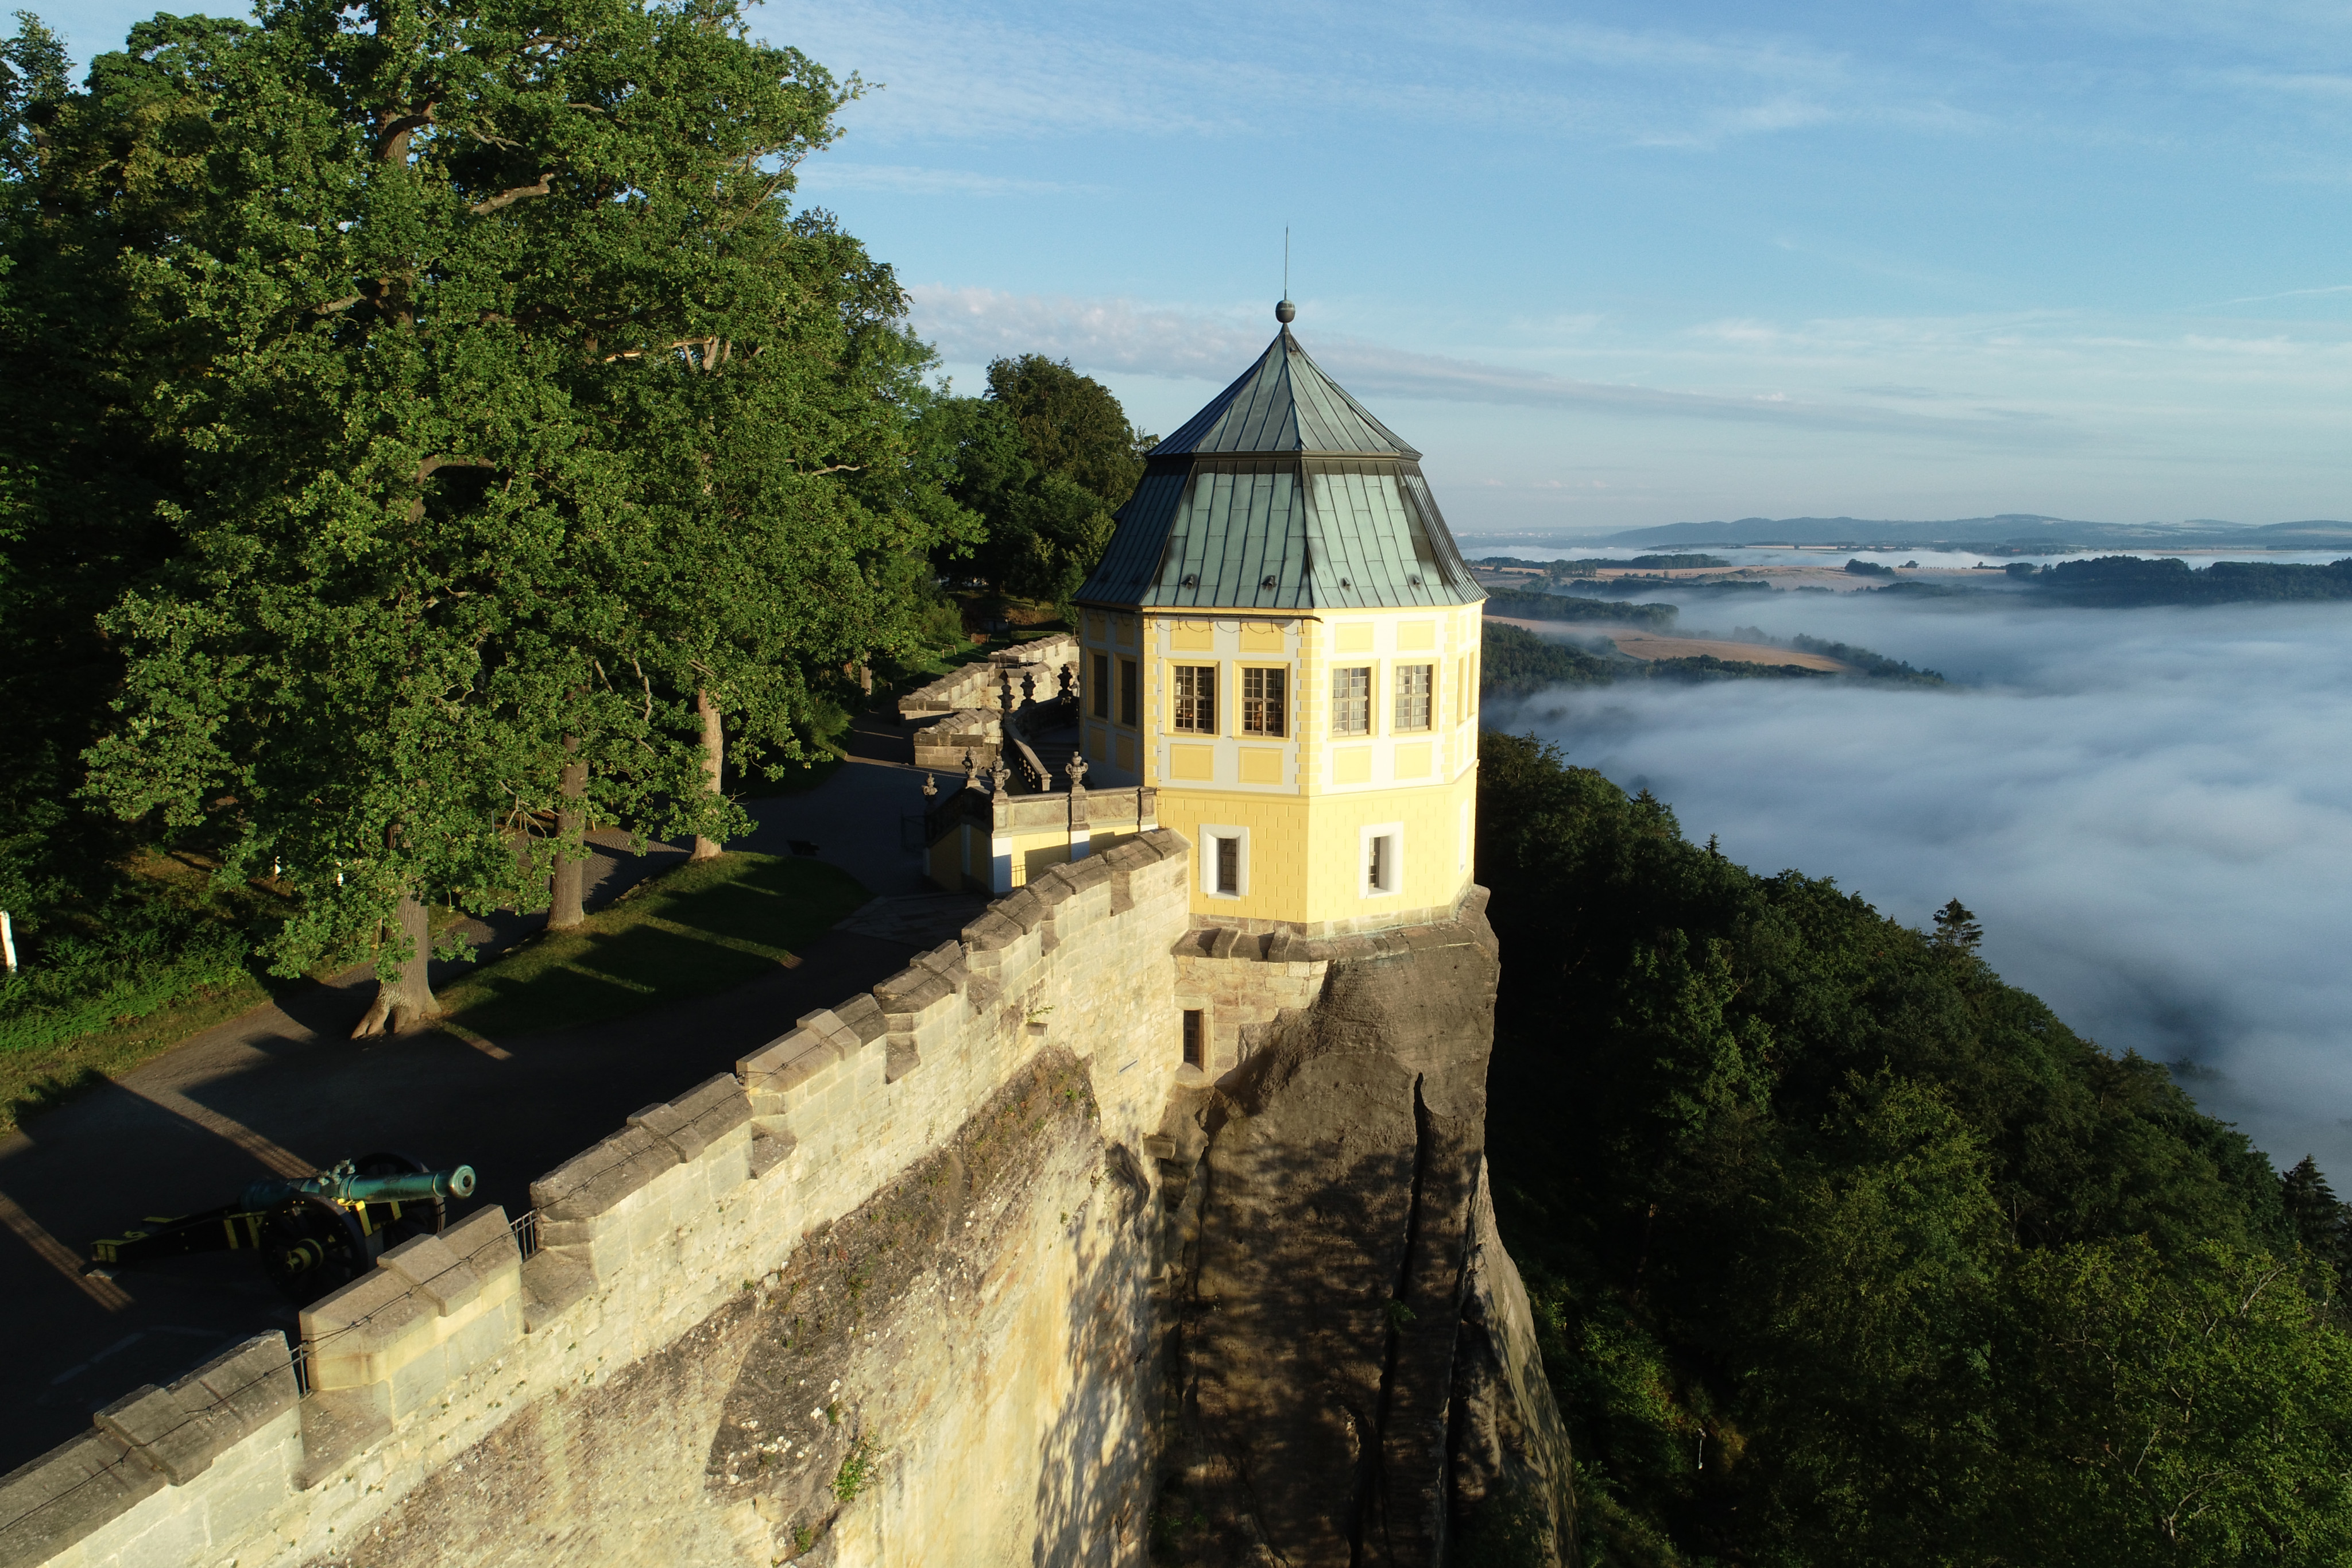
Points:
(2009, 529)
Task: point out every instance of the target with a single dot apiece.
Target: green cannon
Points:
(310, 1234)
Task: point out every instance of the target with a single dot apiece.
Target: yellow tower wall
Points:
(1301, 802)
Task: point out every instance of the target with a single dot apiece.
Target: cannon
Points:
(310, 1234)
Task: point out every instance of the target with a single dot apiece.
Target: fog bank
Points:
(2149, 810)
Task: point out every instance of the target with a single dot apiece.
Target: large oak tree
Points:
(517, 430)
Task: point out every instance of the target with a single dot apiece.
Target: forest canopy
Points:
(1845, 1252)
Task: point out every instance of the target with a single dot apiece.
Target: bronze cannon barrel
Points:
(341, 1185)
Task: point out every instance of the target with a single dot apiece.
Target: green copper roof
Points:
(1285, 404)
(1283, 494)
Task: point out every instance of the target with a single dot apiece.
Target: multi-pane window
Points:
(1265, 701)
(1413, 683)
(1196, 699)
(1351, 701)
(1102, 685)
(1229, 863)
(1130, 691)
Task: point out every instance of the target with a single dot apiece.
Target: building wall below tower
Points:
(1305, 862)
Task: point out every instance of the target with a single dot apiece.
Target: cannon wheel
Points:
(418, 1216)
(310, 1247)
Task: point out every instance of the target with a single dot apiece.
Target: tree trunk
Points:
(568, 906)
(714, 757)
(405, 1002)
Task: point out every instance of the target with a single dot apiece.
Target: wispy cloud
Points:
(822, 175)
(970, 325)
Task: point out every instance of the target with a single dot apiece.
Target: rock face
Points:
(1350, 1353)
(920, 1283)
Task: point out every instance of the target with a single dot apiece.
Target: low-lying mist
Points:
(2150, 811)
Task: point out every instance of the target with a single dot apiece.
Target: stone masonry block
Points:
(436, 1271)
(176, 1431)
(714, 1107)
(1024, 909)
(672, 1126)
(772, 1144)
(485, 1241)
(70, 1491)
(788, 1063)
(988, 936)
(905, 995)
(338, 1424)
(903, 1057)
(590, 1184)
(946, 960)
(554, 1280)
(255, 1382)
(864, 1017)
(362, 1332)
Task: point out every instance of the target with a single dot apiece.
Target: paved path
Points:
(282, 1090)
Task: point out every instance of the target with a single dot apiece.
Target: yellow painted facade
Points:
(1373, 736)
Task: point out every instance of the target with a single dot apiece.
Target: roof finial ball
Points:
(1286, 312)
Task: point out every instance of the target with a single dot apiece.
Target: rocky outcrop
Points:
(1336, 1291)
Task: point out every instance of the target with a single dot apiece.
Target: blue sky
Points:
(1611, 266)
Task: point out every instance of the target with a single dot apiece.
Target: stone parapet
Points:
(643, 1237)
(170, 1475)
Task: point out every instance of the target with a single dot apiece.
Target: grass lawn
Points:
(35, 1077)
(699, 929)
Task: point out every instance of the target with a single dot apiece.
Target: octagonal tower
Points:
(1283, 641)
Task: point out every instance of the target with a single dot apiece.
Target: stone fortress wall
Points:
(458, 1354)
(970, 1269)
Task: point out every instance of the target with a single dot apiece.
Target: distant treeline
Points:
(1561, 607)
(1585, 565)
(1517, 662)
(2111, 579)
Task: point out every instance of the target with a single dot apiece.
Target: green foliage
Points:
(1513, 662)
(857, 1472)
(1845, 1252)
(2118, 580)
(456, 395)
(118, 962)
(1528, 606)
(1044, 459)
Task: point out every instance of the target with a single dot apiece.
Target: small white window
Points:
(1381, 858)
(1225, 861)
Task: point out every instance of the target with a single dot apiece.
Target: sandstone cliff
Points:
(1352, 1373)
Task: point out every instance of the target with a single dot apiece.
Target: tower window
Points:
(1265, 701)
(1382, 859)
(1196, 1044)
(1102, 685)
(1196, 699)
(1224, 860)
(1412, 692)
(1130, 691)
(1351, 701)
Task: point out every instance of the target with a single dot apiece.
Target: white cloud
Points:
(972, 325)
(2149, 810)
(822, 175)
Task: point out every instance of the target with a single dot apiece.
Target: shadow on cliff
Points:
(1322, 1236)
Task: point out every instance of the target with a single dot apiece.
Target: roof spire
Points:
(1286, 312)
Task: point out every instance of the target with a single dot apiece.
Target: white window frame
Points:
(1393, 863)
(1209, 833)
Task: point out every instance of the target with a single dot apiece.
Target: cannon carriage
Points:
(310, 1234)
